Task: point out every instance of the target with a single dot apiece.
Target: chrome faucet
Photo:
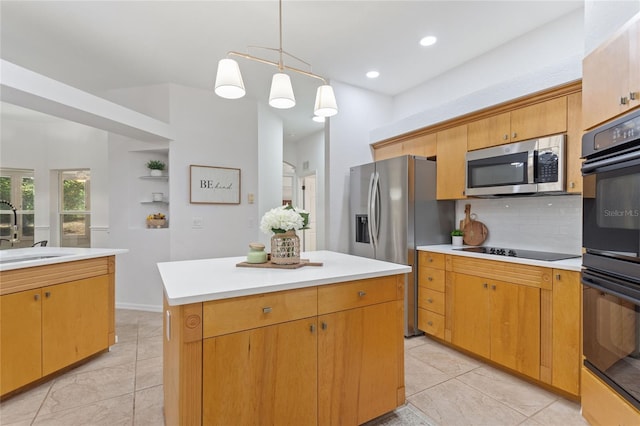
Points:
(15, 221)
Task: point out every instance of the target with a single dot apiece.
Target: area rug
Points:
(407, 415)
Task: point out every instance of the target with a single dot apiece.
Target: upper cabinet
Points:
(541, 119)
(451, 150)
(422, 145)
(611, 76)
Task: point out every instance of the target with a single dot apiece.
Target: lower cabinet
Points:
(49, 328)
(267, 375)
(324, 355)
(499, 321)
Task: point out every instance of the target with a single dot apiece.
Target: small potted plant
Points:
(156, 167)
(456, 237)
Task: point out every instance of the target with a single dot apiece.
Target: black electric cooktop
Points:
(526, 254)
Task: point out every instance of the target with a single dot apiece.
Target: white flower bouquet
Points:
(284, 218)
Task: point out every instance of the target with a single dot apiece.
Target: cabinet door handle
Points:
(515, 135)
(324, 325)
(493, 286)
(362, 293)
(36, 297)
(485, 285)
(430, 278)
(558, 276)
(266, 309)
(429, 322)
(47, 294)
(430, 300)
(431, 259)
(633, 96)
(312, 328)
(624, 100)
(168, 325)
(505, 137)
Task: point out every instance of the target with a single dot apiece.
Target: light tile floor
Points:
(124, 387)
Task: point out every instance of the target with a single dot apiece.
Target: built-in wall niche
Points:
(148, 196)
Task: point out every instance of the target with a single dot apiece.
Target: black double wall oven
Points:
(611, 238)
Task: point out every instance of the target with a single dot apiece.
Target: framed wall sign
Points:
(214, 185)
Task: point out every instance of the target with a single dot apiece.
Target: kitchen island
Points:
(314, 345)
(57, 308)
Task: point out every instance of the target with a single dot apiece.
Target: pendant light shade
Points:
(281, 95)
(229, 84)
(326, 105)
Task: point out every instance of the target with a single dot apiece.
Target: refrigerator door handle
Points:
(375, 209)
(370, 210)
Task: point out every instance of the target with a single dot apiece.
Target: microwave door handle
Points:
(370, 210)
(531, 169)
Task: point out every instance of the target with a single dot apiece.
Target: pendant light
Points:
(229, 84)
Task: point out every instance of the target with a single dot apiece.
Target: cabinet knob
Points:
(505, 137)
(493, 286)
(430, 278)
(633, 96)
(558, 276)
(312, 328)
(324, 325)
(47, 294)
(430, 300)
(485, 285)
(36, 297)
(624, 100)
(431, 259)
(429, 322)
(266, 310)
(362, 293)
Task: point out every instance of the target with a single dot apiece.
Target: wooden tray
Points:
(268, 264)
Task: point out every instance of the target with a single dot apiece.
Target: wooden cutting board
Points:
(475, 232)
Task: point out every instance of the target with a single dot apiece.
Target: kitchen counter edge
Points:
(62, 255)
(573, 264)
(190, 281)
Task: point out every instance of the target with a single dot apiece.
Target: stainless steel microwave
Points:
(527, 167)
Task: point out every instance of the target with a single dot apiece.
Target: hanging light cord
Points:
(280, 64)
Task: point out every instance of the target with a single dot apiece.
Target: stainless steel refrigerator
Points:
(393, 209)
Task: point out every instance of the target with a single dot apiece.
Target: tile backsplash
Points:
(543, 223)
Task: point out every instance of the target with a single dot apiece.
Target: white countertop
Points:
(37, 256)
(573, 264)
(193, 281)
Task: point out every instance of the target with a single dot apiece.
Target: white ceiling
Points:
(101, 45)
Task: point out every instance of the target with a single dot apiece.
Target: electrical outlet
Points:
(197, 223)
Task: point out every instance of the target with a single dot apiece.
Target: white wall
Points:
(44, 143)
(346, 145)
(603, 18)
(548, 56)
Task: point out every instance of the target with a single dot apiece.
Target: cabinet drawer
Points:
(431, 260)
(431, 323)
(354, 294)
(244, 313)
(432, 278)
(431, 300)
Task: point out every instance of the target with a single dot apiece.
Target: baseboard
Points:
(137, 307)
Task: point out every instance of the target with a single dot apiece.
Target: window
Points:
(75, 208)
(17, 187)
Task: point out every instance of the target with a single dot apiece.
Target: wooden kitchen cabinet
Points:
(451, 149)
(74, 322)
(533, 121)
(574, 143)
(357, 367)
(20, 339)
(331, 354)
(499, 321)
(611, 76)
(50, 327)
(566, 335)
(431, 294)
(266, 375)
(421, 145)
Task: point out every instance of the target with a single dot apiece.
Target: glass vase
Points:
(285, 248)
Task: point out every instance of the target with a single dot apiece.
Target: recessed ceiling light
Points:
(428, 41)
(318, 119)
(373, 74)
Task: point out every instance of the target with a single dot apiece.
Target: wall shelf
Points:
(166, 203)
(163, 177)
